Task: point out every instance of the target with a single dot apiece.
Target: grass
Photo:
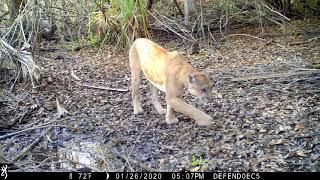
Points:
(120, 23)
(198, 161)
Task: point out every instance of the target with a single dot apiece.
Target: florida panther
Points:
(170, 73)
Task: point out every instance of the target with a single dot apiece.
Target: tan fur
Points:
(169, 72)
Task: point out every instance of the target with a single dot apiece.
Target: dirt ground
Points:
(265, 105)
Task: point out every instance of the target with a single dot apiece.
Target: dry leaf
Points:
(60, 110)
(299, 126)
(262, 130)
(276, 142)
(74, 75)
(195, 169)
(301, 153)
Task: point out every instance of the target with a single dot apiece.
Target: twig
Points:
(74, 75)
(15, 81)
(138, 138)
(141, 165)
(126, 159)
(248, 35)
(3, 15)
(20, 119)
(25, 114)
(61, 111)
(50, 164)
(42, 162)
(307, 136)
(298, 80)
(31, 146)
(202, 21)
(176, 3)
(4, 160)
(276, 75)
(86, 166)
(105, 88)
(305, 42)
(309, 92)
(58, 120)
(26, 62)
(50, 49)
(171, 29)
(276, 12)
(29, 129)
(308, 114)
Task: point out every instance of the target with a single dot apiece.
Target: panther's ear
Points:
(191, 78)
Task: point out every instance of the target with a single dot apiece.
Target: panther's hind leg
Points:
(135, 80)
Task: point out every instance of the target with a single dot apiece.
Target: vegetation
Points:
(197, 161)
(262, 57)
(119, 22)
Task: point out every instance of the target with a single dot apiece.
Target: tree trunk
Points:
(281, 5)
(189, 9)
(14, 8)
(149, 5)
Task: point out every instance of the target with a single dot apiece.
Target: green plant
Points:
(260, 11)
(93, 40)
(121, 22)
(197, 161)
(131, 16)
(229, 6)
(316, 66)
(302, 6)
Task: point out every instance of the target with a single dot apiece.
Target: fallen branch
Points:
(19, 119)
(311, 135)
(304, 42)
(86, 165)
(61, 111)
(3, 15)
(42, 162)
(308, 114)
(31, 146)
(141, 165)
(24, 60)
(177, 5)
(52, 49)
(299, 80)
(247, 35)
(74, 75)
(24, 115)
(44, 125)
(70, 118)
(15, 81)
(171, 29)
(4, 160)
(276, 12)
(105, 88)
(276, 75)
(29, 129)
(134, 144)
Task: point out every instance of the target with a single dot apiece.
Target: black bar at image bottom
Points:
(7, 175)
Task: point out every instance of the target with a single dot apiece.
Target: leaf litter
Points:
(260, 124)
